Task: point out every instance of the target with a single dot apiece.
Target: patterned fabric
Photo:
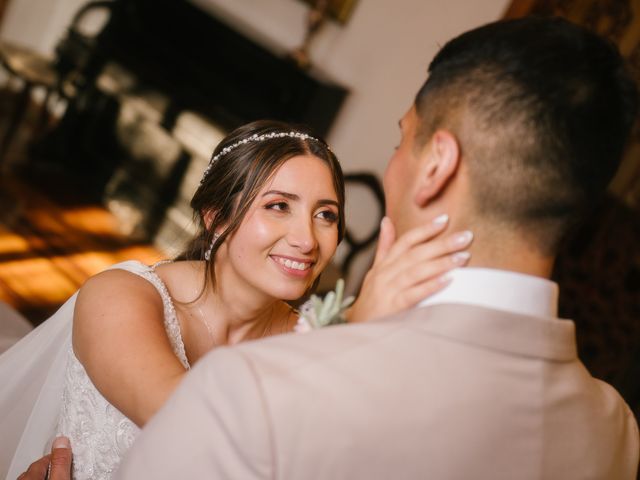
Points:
(100, 434)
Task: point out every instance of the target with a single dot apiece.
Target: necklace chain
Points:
(214, 343)
(207, 326)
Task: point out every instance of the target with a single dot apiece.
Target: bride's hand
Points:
(408, 270)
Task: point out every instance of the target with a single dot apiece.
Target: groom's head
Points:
(519, 126)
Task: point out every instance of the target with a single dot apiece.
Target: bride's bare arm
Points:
(120, 339)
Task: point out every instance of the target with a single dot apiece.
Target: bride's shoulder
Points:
(112, 303)
(117, 289)
(114, 278)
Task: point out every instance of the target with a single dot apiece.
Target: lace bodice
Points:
(100, 433)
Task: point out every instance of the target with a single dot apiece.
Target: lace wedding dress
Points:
(48, 393)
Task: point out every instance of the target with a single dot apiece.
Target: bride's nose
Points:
(302, 235)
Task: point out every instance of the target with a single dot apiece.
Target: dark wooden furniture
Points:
(209, 67)
(3, 8)
(56, 75)
(35, 71)
(202, 65)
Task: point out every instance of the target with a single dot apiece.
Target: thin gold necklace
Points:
(207, 326)
(267, 328)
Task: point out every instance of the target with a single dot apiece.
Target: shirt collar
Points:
(500, 290)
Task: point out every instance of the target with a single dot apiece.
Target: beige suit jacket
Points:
(441, 392)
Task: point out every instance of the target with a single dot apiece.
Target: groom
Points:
(520, 125)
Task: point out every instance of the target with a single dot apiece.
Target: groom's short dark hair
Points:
(542, 109)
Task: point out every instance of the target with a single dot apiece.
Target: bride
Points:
(270, 208)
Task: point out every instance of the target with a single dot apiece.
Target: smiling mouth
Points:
(292, 264)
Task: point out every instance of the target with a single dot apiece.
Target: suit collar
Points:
(501, 290)
(544, 337)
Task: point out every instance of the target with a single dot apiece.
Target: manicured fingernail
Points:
(463, 238)
(460, 258)
(441, 219)
(384, 221)
(444, 279)
(61, 442)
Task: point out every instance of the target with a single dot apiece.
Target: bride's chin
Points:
(290, 293)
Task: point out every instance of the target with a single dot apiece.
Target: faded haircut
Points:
(542, 109)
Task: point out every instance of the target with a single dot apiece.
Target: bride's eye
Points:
(328, 215)
(278, 206)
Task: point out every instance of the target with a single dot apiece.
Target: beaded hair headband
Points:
(256, 138)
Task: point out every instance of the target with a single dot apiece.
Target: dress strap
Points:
(161, 262)
(171, 324)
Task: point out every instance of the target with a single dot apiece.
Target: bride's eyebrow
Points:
(293, 196)
(290, 196)
(329, 202)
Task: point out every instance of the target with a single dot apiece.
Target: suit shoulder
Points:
(319, 345)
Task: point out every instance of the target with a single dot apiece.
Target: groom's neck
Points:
(509, 253)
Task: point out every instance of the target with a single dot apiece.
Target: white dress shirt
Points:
(500, 290)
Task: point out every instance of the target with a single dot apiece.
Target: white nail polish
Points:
(460, 258)
(441, 219)
(463, 238)
(61, 442)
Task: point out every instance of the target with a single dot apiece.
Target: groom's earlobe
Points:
(442, 156)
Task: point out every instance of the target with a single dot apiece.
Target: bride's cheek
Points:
(264, 229)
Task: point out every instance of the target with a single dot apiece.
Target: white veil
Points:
(32, 379)
(31, 384)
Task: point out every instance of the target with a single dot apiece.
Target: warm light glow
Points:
(51, 281)
(53, 249)
(11, 244)
(92, 220)
(38, 280)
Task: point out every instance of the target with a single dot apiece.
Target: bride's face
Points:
(289, 233)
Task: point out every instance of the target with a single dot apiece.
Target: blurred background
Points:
(109, 111)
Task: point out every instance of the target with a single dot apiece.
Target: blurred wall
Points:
(38, 23)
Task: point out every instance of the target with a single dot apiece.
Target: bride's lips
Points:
(297, 267)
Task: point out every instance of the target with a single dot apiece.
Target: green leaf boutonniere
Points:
(318, 313)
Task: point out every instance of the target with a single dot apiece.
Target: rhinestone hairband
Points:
(255, 138)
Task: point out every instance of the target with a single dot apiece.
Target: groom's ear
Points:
(440, 162)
